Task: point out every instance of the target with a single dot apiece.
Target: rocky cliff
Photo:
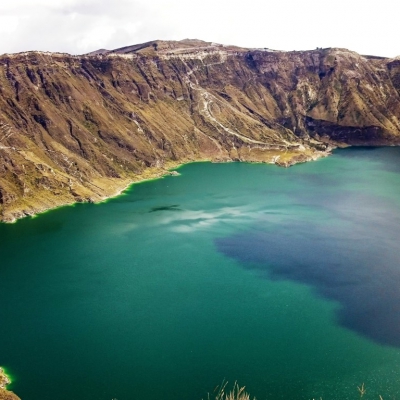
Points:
(81, 128)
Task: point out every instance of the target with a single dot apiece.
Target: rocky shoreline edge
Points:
(168, 169)
(4, 393)
(4, 379)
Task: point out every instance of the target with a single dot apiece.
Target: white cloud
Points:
(8, 24)
(79, 26)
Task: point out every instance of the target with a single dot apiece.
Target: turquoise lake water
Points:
(286, 280)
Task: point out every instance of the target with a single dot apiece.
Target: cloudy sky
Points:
(80, 26)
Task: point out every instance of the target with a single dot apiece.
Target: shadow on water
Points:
(388, 158)
(166, 208)
(351, 257)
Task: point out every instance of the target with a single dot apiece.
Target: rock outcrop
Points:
(5, 394)
(81, 128)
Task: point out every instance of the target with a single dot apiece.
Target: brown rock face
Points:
(6, 395)
(80, 128)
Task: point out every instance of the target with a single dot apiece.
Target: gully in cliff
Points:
(80, 128)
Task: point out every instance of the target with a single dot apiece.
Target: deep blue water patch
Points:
(350, 255)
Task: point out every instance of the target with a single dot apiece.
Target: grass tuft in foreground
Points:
(236, 393)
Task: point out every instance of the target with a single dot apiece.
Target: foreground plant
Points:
(236, 393)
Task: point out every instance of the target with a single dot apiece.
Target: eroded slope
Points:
(80, 128)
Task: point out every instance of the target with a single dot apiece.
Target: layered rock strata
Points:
(81, 128)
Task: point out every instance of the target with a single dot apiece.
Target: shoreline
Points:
(154, 173)
(163, 173)
(147, 175)
(4, 379)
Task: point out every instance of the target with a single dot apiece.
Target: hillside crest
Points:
(81, 128)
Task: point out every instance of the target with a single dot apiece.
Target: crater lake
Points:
(285, 280)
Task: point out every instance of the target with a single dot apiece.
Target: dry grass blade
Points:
(362, 390)
(236, 393)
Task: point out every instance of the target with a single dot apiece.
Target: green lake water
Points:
(286, 280)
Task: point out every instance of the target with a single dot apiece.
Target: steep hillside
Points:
(81, 128)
